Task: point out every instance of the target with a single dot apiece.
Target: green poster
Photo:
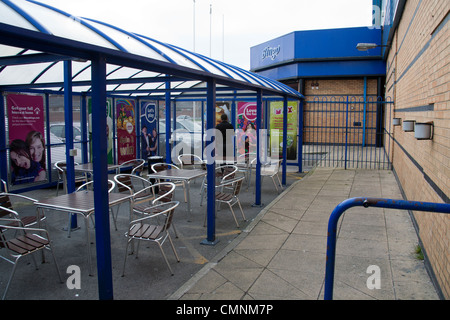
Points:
(109, 127)
(276, 129)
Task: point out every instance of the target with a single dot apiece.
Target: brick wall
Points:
(325, 121)
(418, 80)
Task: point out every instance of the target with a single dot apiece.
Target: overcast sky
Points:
(236, 25)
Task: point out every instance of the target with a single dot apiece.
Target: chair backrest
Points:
(4, 185)
(227, 171)
(165, 191)
(85, 186)
(187, 160)
(5, 202)
(160, 166)
(237, 186)
(137, 166)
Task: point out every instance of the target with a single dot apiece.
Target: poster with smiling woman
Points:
(26, 138)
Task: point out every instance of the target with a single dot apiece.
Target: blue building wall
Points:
(319, 53)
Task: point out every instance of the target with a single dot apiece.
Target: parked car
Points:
(188, 136)
(59, 130)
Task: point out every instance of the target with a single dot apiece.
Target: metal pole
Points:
(366, 203)
(68, 120)
(285, 123)
(210, 164)
(100, 161)
(259, 103)
(168, 124)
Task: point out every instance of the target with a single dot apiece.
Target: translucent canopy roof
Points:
(23, 67)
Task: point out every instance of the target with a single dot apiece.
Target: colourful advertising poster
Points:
(126, 130)
(149, 134)
(222, 108)
(276, 129)
(246, 127)
(109, 128)
(26, 138)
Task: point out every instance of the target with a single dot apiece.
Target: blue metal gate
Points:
(347, 131)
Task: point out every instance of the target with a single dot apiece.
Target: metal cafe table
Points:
(186, 175)
(80, 203)
(89, 167)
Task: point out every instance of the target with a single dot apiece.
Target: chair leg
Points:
(165, 258)
(125, 260)
(242, 211)
(234, 216)
(55, 262)
(13, 271)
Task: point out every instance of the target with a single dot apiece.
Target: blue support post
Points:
(210, 164)
(366, 202)
(100, 160)
(84, 133)
(285, 123)
(3, 153)
(168, 124)
(68, 119)
(364, 113)
(300, 137)
(259, 103)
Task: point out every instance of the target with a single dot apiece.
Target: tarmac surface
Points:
(279, 253)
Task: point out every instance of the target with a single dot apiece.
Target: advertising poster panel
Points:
(276, 129)
(109, 129)
(126, 130)
(149, 134)
(246, 127)
(26, 138)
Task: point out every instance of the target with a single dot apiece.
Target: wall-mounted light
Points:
(368, 46)
(396, 121)
(424, 130)
(314, 85)
(408, 125)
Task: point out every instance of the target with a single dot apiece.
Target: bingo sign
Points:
(150, 112)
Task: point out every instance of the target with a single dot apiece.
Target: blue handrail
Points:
(366, 202)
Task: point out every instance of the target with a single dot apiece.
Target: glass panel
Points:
(63, 26)
(10, 16)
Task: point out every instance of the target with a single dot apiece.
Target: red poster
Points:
(26, 138)
(126, 130)
(245, 123)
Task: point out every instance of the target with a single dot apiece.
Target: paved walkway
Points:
(281, 254)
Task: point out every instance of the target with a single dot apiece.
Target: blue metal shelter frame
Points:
(99, 59)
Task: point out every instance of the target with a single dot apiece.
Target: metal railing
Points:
(366, 202)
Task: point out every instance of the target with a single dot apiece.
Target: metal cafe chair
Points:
(90, 186)
(140, 188)
(271, 170)
(161, 166)
(62, 178)
(188, 160)
(163, 193)
(224, 172)
(147, 229)
(228, 192)
(7, 200)
(137, 166)
(24, 241)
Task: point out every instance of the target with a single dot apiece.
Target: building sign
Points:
(126, 130)
(26, 138)
(271, 52)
